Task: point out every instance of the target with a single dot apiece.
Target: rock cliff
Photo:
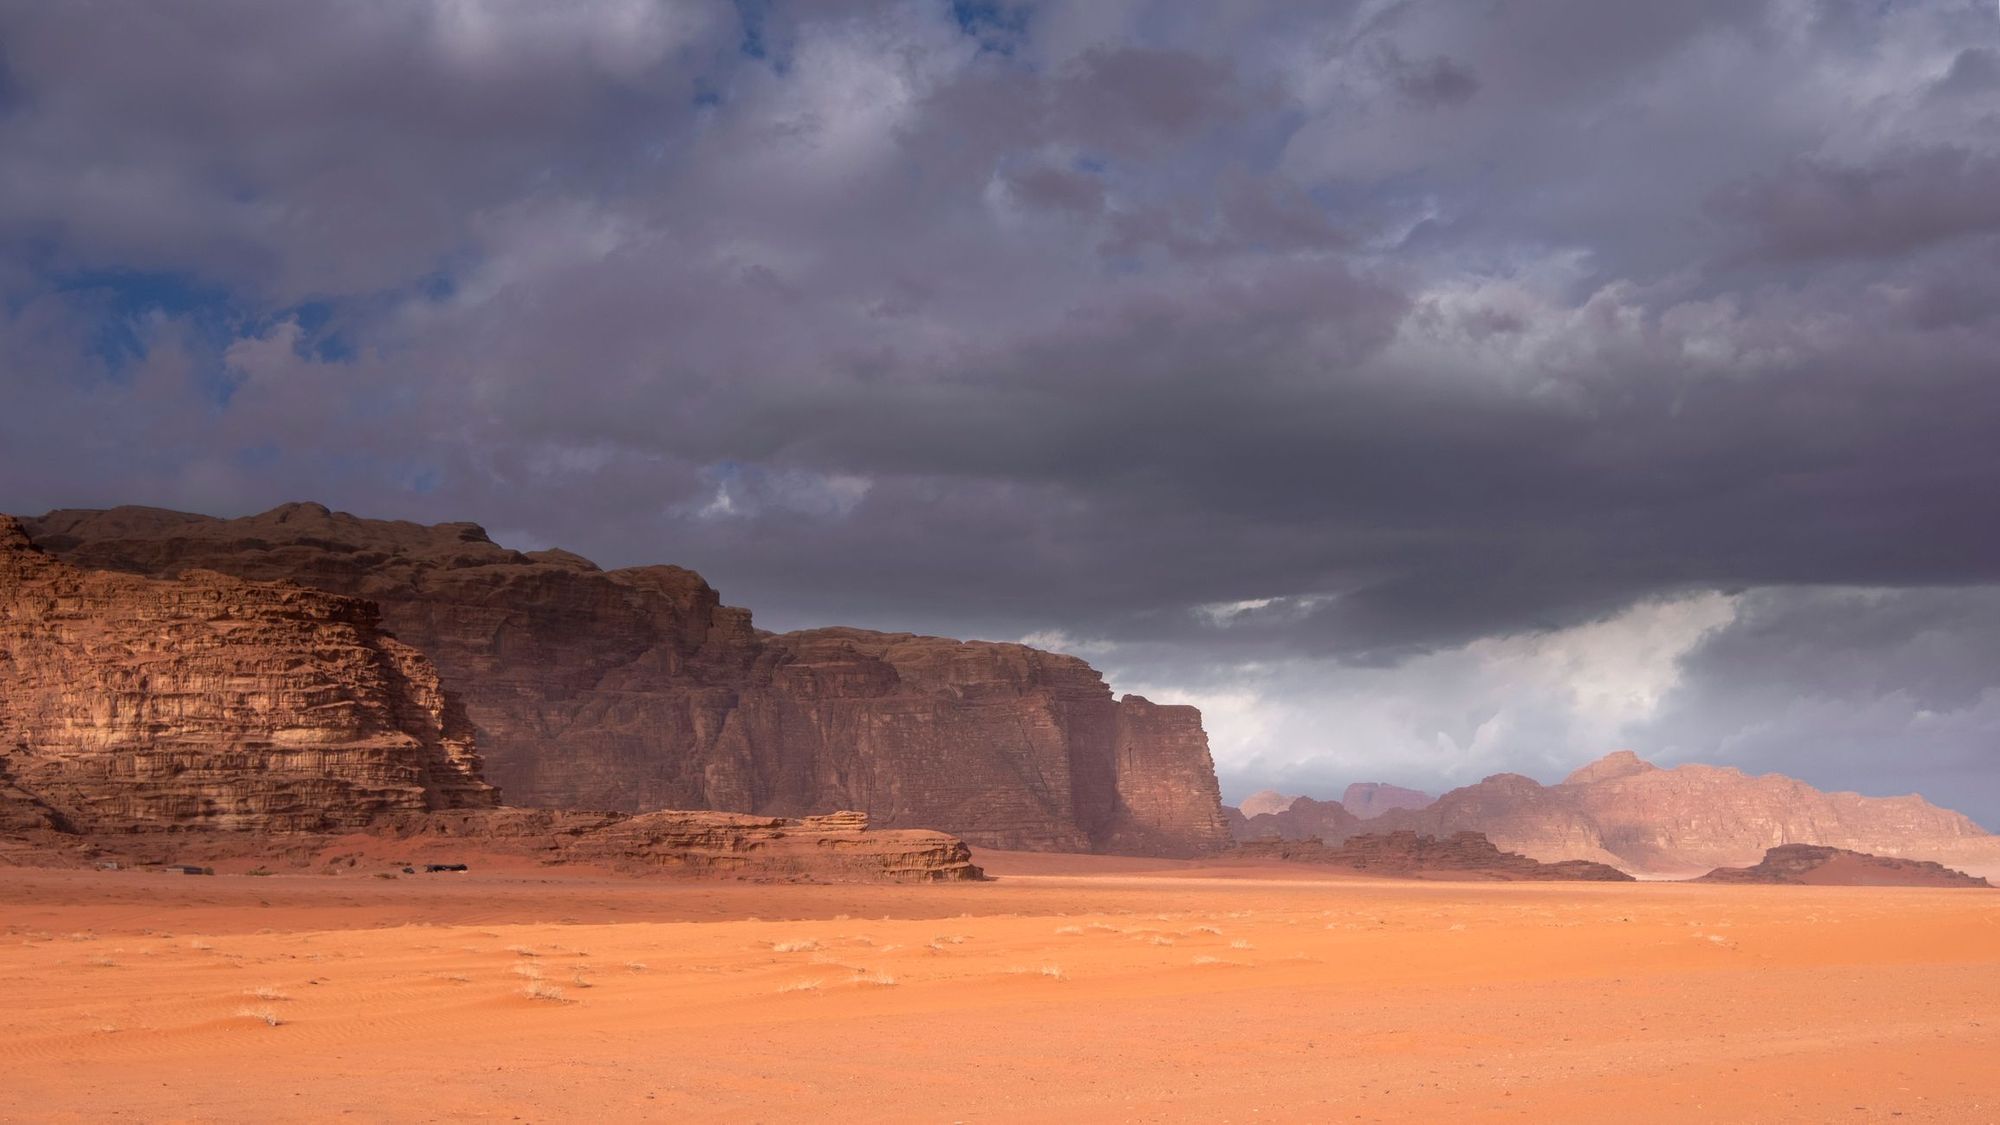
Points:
(128, 703)
(638, 689)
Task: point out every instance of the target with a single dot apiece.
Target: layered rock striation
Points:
(837, 847)
(128, 703)
(638, 689)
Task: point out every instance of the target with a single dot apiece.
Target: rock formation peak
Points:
(1266, 802)
(1370, 799)
(1612, 766)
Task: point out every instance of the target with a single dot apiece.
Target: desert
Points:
(252, 870)
(1067, 988)
(999, 561)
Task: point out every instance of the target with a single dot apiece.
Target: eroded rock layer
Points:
(839, 847)
(637, 689)
(128, 703)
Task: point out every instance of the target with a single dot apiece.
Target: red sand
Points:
(1071, 989)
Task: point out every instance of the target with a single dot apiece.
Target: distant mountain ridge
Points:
(1678, 822)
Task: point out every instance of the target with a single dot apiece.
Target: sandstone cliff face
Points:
(638, 690)
(1689, 819)
(128, 703)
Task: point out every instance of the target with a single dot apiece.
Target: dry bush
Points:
(539, 989)
(268, 1016)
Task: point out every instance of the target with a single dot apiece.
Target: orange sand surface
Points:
(1069, 989)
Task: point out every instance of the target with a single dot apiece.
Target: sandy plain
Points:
(1070, 989)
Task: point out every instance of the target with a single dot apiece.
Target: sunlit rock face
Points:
(638, 689)
(205, 701)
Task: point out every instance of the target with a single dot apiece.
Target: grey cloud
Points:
(1975, 70)
(1882, 691)
(1812, 209)
(1433, 323)
(1123, 99)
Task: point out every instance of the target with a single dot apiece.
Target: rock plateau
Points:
(205, 716)
(637, 689)
(1810, 865)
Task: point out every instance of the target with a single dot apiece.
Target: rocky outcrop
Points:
(838, 847)
(1273, 816)
(1370, 799)
(1462, 855)
(1303, 819)
(1687, 820)
(1810, 865)
(638, 689)
(129, 704)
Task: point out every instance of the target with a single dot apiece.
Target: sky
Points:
(1424, 388)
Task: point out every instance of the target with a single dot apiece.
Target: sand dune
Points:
(1100, 990)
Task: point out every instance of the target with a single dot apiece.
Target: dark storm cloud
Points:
(1913, 199)
(1884, 692)
(1349, 338)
